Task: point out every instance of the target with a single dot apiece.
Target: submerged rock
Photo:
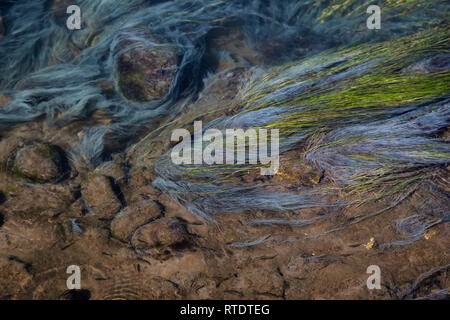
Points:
(162, 233)
(134, 216)
(112, 169)
(99, 195)
(37, 199)
(228, 47)
(40, 162)
(146, 69)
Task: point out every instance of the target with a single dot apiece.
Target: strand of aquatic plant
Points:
(373, 142)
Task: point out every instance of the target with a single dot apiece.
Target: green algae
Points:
(340, 88)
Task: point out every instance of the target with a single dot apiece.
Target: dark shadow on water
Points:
(76, 295)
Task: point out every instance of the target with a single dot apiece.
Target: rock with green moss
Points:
(38, 162)
(145, 67)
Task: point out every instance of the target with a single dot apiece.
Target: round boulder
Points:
(145, 66)
(162, 233)
(39, 162)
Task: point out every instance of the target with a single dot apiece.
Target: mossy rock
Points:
(38, 162)
(146, 72)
